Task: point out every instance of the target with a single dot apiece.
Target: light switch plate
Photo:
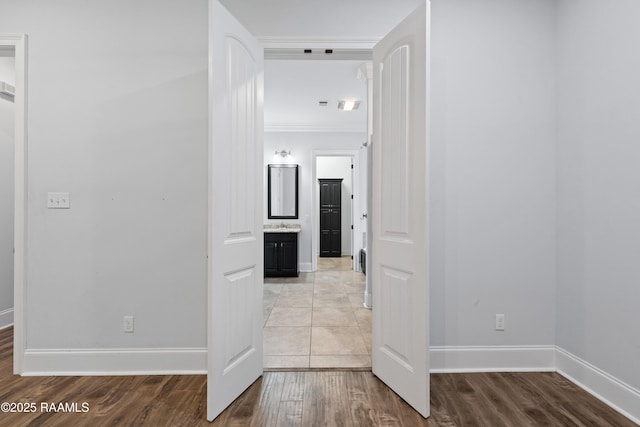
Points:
(499, 322)
(127, 323)
(58, 201)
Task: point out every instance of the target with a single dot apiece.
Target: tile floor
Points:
(317, 320)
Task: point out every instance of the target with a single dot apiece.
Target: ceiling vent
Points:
(323, 103)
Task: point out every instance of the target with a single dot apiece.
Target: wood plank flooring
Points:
(311, 398)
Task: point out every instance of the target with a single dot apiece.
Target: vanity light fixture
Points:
(283, 153)
(348, 105)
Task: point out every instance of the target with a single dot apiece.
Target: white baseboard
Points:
(306, 267)
(368, 298)
(6, 318)
(93, 362)
(492, 359)
(615, 393)
(193, 361)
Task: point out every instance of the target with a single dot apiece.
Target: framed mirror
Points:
(282, 188)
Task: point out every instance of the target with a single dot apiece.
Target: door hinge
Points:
(351, 166)
(352, 227)
(352, 196)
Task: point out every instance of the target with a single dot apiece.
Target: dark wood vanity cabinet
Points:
(330, 217)
(281, 254)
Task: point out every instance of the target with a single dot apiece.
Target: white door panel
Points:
(400, 212)
(235, 210)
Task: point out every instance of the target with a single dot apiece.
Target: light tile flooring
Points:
(317, 320)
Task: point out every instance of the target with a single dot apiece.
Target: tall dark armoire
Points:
(330, 217)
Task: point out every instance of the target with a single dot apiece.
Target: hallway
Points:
(317, 320)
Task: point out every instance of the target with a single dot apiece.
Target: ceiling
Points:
(370, 19)
(294, 87)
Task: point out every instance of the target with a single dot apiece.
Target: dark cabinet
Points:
(280, 254)
(330, 217)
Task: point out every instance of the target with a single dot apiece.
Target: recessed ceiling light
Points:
(348, 105)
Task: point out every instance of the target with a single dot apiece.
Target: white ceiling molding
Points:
(365, 72)
(299, 127)
(318, 43)
(294, 48)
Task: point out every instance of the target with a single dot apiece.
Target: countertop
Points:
(281, 228)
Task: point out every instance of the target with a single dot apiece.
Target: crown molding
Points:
(269, 42)
(360, 49)
(309, 127)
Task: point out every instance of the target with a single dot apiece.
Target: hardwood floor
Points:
(311, 398)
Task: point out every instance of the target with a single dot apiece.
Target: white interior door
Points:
(235, 210)
(400, 212)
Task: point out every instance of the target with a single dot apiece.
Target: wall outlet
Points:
(128, 324)
(499, 322)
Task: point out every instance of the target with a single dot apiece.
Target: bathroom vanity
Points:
(281, 250)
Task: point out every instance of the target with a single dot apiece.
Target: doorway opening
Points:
(398, 208)
(318, 320)
(7, 155)
(14, 57)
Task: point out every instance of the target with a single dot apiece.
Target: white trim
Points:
(615, 393)
(306, 267)
(444, 359)
(536, 358)
(318, 43)
(95, 362)
(19, 42)
(298, 127)
(539, 358)
(368, 300)
(315, 233)
(6, 318)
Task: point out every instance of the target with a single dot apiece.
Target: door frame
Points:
(19, 43)
(315, 226)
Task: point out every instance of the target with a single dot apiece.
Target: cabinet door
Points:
(336, 233)
(271, 249)
(289, 255)
(325, 232)
(330, 193)
(336, 193)
(326, 190)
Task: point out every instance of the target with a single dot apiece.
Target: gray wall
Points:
(7, 75)
(493, 172)
(117, 117)
(598, 183)
(302, 146)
